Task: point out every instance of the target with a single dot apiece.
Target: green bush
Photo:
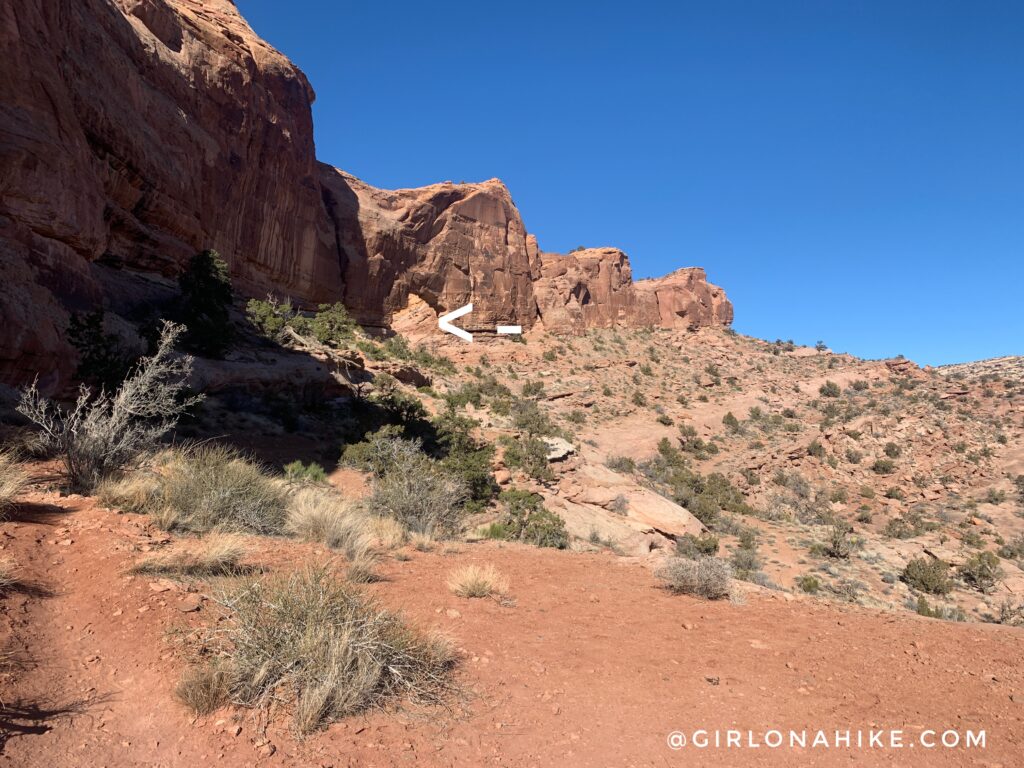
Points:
(693, 547)
(206, 303)
(528, 417)
(809, 584)
(981, 571)
(333, 325)
(528, 520)
(829, 389)
(883, 467)
(297, 472)
(892, 450)
(101, 360)
(927, 574)
(467, 459)
(731, 422)
(529, 454)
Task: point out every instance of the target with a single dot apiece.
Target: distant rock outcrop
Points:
(134, 133)
(593, 287)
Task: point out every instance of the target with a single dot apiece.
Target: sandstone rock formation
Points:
(134, 133)
(594, 288)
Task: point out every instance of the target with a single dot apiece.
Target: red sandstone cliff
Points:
(136, 132)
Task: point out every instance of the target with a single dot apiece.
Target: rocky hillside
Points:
(134, 133)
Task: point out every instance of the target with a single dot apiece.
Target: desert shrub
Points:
(528, 417)
(731, 422)
(622, 464)
(895, 493)
(883, 467)
(854, 456)
(529, 454)
(270, 317)
(414, 489)
(839, 545)
(638, 398)
(922, 608)
(892, 450)
(467, 458)
(746, 563)
(102, 362)
(216, 554)
(809, 584)
(533, 389)
(102, 434)
(1013, 549)
(705, 496)
(816, 449)
(526, 519)
(13, 481)
(994, 496)
(706, 577)
(297, 472)
(211, 486)
(332, 325)
(665, 420)
(321, 643)
(981, 571)
(206, 303)
(619, 505)
(829, 389)
(927, 574)
(907, 526)
(693, 547)
(477, 581)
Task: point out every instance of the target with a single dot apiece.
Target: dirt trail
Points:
(593, 666)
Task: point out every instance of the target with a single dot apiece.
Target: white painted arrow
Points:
(444, 322)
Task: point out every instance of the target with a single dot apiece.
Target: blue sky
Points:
(847, 171)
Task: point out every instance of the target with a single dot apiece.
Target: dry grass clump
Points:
(137, 492)
(13, 481)
(477, 581)
(210, 487)
(216, 554)
(318, 514)
(326, 646)
(203, 688)
(422, 542)
(8, 568)
(706, 577)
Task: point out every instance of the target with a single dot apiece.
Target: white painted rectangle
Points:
(510, 329)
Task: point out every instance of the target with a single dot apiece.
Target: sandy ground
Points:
(593, 666)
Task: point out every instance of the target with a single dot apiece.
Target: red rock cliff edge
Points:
(135, 132)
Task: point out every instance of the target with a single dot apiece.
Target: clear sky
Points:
(848, 171)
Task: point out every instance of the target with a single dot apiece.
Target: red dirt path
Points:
(593, 666)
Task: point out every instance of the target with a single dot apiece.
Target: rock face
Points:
(447, 244)
(134, 133)
(594, 288)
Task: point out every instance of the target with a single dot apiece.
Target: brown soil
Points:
(592, 666)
